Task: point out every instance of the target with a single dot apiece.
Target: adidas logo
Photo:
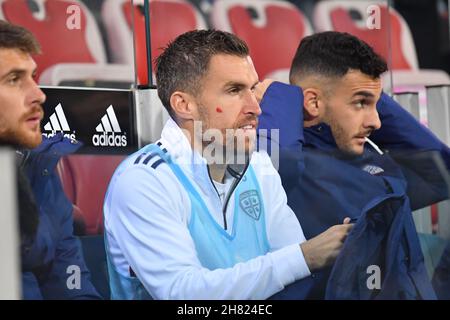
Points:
(58, 123)
(110, 133)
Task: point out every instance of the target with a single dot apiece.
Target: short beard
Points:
(339, 136)
(16, 140)
(232, 150)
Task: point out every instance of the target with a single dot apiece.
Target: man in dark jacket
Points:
(331, 169)
(52, 261)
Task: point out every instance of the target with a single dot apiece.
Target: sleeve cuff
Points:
(282, 106)
(290, 264)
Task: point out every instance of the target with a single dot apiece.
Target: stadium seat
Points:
(85, 179)
(272, 30)
(391, 37)
(49, 24)
(351, 16)
(89, 75)
(168, 19)
(441, 276)
(432, 248)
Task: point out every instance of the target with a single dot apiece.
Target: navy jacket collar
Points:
(320, 137)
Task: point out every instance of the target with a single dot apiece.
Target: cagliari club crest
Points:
(250, 202)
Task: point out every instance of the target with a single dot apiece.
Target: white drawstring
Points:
(374, 145)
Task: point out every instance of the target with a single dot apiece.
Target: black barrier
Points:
(102, 119)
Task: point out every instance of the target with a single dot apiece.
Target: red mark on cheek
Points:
(219, 110)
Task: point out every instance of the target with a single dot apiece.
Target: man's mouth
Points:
(362, 138)
(34, 119)
(248, 126)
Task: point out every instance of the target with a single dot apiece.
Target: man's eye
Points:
(233, 90)
(13, 80)
(360, 104)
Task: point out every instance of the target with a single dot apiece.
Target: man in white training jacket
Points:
(200, 214)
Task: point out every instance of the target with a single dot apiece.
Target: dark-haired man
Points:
(331, 169)
(52, 262)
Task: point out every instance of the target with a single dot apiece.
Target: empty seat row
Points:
(272, 29)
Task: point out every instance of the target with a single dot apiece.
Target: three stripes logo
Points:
(58, 123)
(110, 134)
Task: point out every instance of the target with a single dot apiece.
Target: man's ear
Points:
(311, 103)
(183, 105)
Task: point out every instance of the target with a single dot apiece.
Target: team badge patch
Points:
(373, 170)
(250, 202)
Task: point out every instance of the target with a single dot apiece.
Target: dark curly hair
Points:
(333, 54)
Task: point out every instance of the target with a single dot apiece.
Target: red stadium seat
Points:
(392, 38)
(337, 15)
(272, 30)
(82, 74)
(49, 24)
(85, 179)
(434, 218)
(168, 19)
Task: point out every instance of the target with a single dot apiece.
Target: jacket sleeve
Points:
(282, 109)
(68, 277)
(281, 217)
(415, 148)
(400, 131)
(281, 125)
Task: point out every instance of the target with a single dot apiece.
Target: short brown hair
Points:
(17, 37)
(185, 61)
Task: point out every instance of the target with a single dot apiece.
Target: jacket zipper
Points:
(229, 193)
(218, 195)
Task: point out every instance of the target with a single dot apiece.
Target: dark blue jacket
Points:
(46, 263)
(384, 237)
(324, 186)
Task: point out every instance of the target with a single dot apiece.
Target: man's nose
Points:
(252, 105)
(373, 120)
(37, 96)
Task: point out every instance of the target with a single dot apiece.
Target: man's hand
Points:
(261, 88)
(322, 250)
